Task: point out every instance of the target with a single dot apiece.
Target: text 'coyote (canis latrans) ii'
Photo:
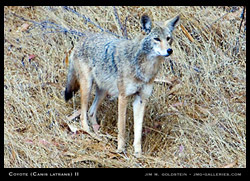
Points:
(120, 68)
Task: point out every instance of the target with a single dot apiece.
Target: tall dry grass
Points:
(196, 116)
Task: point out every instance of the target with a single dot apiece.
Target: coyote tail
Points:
(72, 83)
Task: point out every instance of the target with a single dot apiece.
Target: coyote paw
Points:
(137, 154)
(96, 127)
(86, 130)
(121, 150)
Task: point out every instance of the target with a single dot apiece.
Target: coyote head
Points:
(159, 37)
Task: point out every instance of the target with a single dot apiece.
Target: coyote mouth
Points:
(169, 52)
(159, 54)
(167, 55)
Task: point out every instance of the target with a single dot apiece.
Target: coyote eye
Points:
(168, 38)
(157, 39)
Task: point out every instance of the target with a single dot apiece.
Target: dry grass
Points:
(197, 118)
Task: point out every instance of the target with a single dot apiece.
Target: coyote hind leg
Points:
(99, 96)
(85, 81)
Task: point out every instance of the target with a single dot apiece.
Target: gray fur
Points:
(121, 68)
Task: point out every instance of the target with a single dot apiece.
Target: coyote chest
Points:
(132, 87)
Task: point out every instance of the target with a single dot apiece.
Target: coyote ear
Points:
(172, 22)
(146, 24)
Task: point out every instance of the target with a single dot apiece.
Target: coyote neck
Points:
(145, 63)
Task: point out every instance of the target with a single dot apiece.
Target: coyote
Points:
(120, 68)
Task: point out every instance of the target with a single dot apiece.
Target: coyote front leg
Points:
(122, 107)
(138, 110)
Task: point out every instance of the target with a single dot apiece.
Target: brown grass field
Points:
(196, 116)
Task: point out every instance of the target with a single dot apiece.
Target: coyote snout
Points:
(166, 53)
(120, 68)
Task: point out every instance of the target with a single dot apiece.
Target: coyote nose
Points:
(170, 51)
